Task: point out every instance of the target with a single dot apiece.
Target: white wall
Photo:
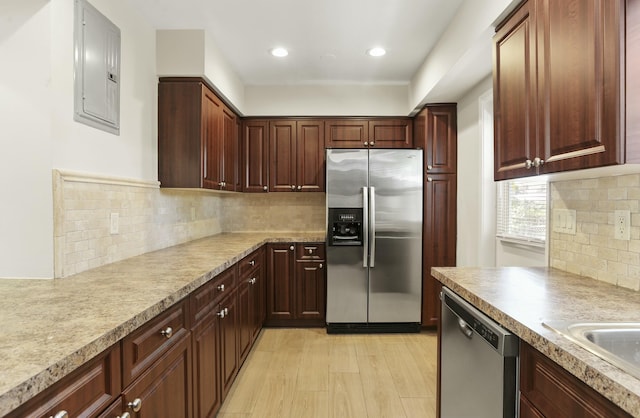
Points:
(474, 243)
(26, 214)
(194, 53)
(39, 134)
(330, 100)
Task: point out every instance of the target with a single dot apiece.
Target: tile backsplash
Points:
(593, 251)
(151, 218)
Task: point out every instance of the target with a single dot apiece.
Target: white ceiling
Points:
(327, 39)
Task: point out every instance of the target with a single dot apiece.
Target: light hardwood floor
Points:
(306, 373)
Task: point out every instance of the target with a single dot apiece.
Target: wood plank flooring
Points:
(293, 373)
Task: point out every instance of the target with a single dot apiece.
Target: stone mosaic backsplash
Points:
(593, 251)
(151, 218)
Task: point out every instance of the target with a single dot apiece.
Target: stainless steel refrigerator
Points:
(374, 240)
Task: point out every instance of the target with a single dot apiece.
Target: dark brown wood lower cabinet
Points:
(547, 390)
(296, 285)
(206, 369)
(439, 248)
(228, 342)
(85, 392)
(164, 389)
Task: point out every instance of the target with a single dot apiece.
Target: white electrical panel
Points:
(97, 69)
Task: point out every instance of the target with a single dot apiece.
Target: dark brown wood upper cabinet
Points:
(435, 130)
(367, 133)
(255, 156)
(296, 155)
(197, 137)
(558, 99)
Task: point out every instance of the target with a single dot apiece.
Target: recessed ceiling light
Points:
(279, 52)
(376, 52)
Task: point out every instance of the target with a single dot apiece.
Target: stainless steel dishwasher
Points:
(478, 363)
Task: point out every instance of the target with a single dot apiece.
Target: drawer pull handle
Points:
(167, 332)
(252, 263)
(221, 287)
(135, 405)
(124, 415)
(61, 414)
(252, 280)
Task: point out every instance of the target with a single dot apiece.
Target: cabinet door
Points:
(310, 290)
(435, 131)
(310, 156)
(212, 141)
(255, 156)
(391, 133)
(280, 295)
(554, 392)
(514, 95)
(439, 238)
(282, 156)
(206, 370)
(165, 388)
(527, 410)
(346, 133)
(579, 83)
(228, 342)
(230, 147)
(257, 300)
(245, 316)
(180, 136)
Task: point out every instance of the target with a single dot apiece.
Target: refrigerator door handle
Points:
(372, 224)
(365, 227)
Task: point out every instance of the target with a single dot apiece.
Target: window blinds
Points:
(522, 210)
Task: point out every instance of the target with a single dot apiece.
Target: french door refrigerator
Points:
(374, 240)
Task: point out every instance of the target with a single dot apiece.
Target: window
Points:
(522, 210)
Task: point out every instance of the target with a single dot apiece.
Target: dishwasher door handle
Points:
(465, 328)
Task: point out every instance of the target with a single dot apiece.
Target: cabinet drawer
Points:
(310, 251)
(145, 345)
(253, 261)
(207, 296)
(554, 392)
(85, 392)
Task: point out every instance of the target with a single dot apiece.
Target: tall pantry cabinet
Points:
(435, 129)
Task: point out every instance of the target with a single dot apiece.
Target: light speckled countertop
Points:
(521, 298)
(50, 327)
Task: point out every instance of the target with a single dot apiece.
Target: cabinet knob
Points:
(372, 143)
(429, 179)
(291, 248)
(252, 280)
(124, 415)
(320, 266)
(60, 414)
(310, 250)
(220, 184)
(167, 332)
(252, 262)
(528, 164)
(135, 405)
(293, 187)
(366, 143)
(221, 314)
(429, 167)
(299, 188)
(226, 311)
(265, 188)
(221, 287)
(537, 162)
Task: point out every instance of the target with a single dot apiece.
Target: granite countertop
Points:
(521, 298)
(50, 327)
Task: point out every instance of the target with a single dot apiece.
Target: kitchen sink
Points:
(615, 342)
